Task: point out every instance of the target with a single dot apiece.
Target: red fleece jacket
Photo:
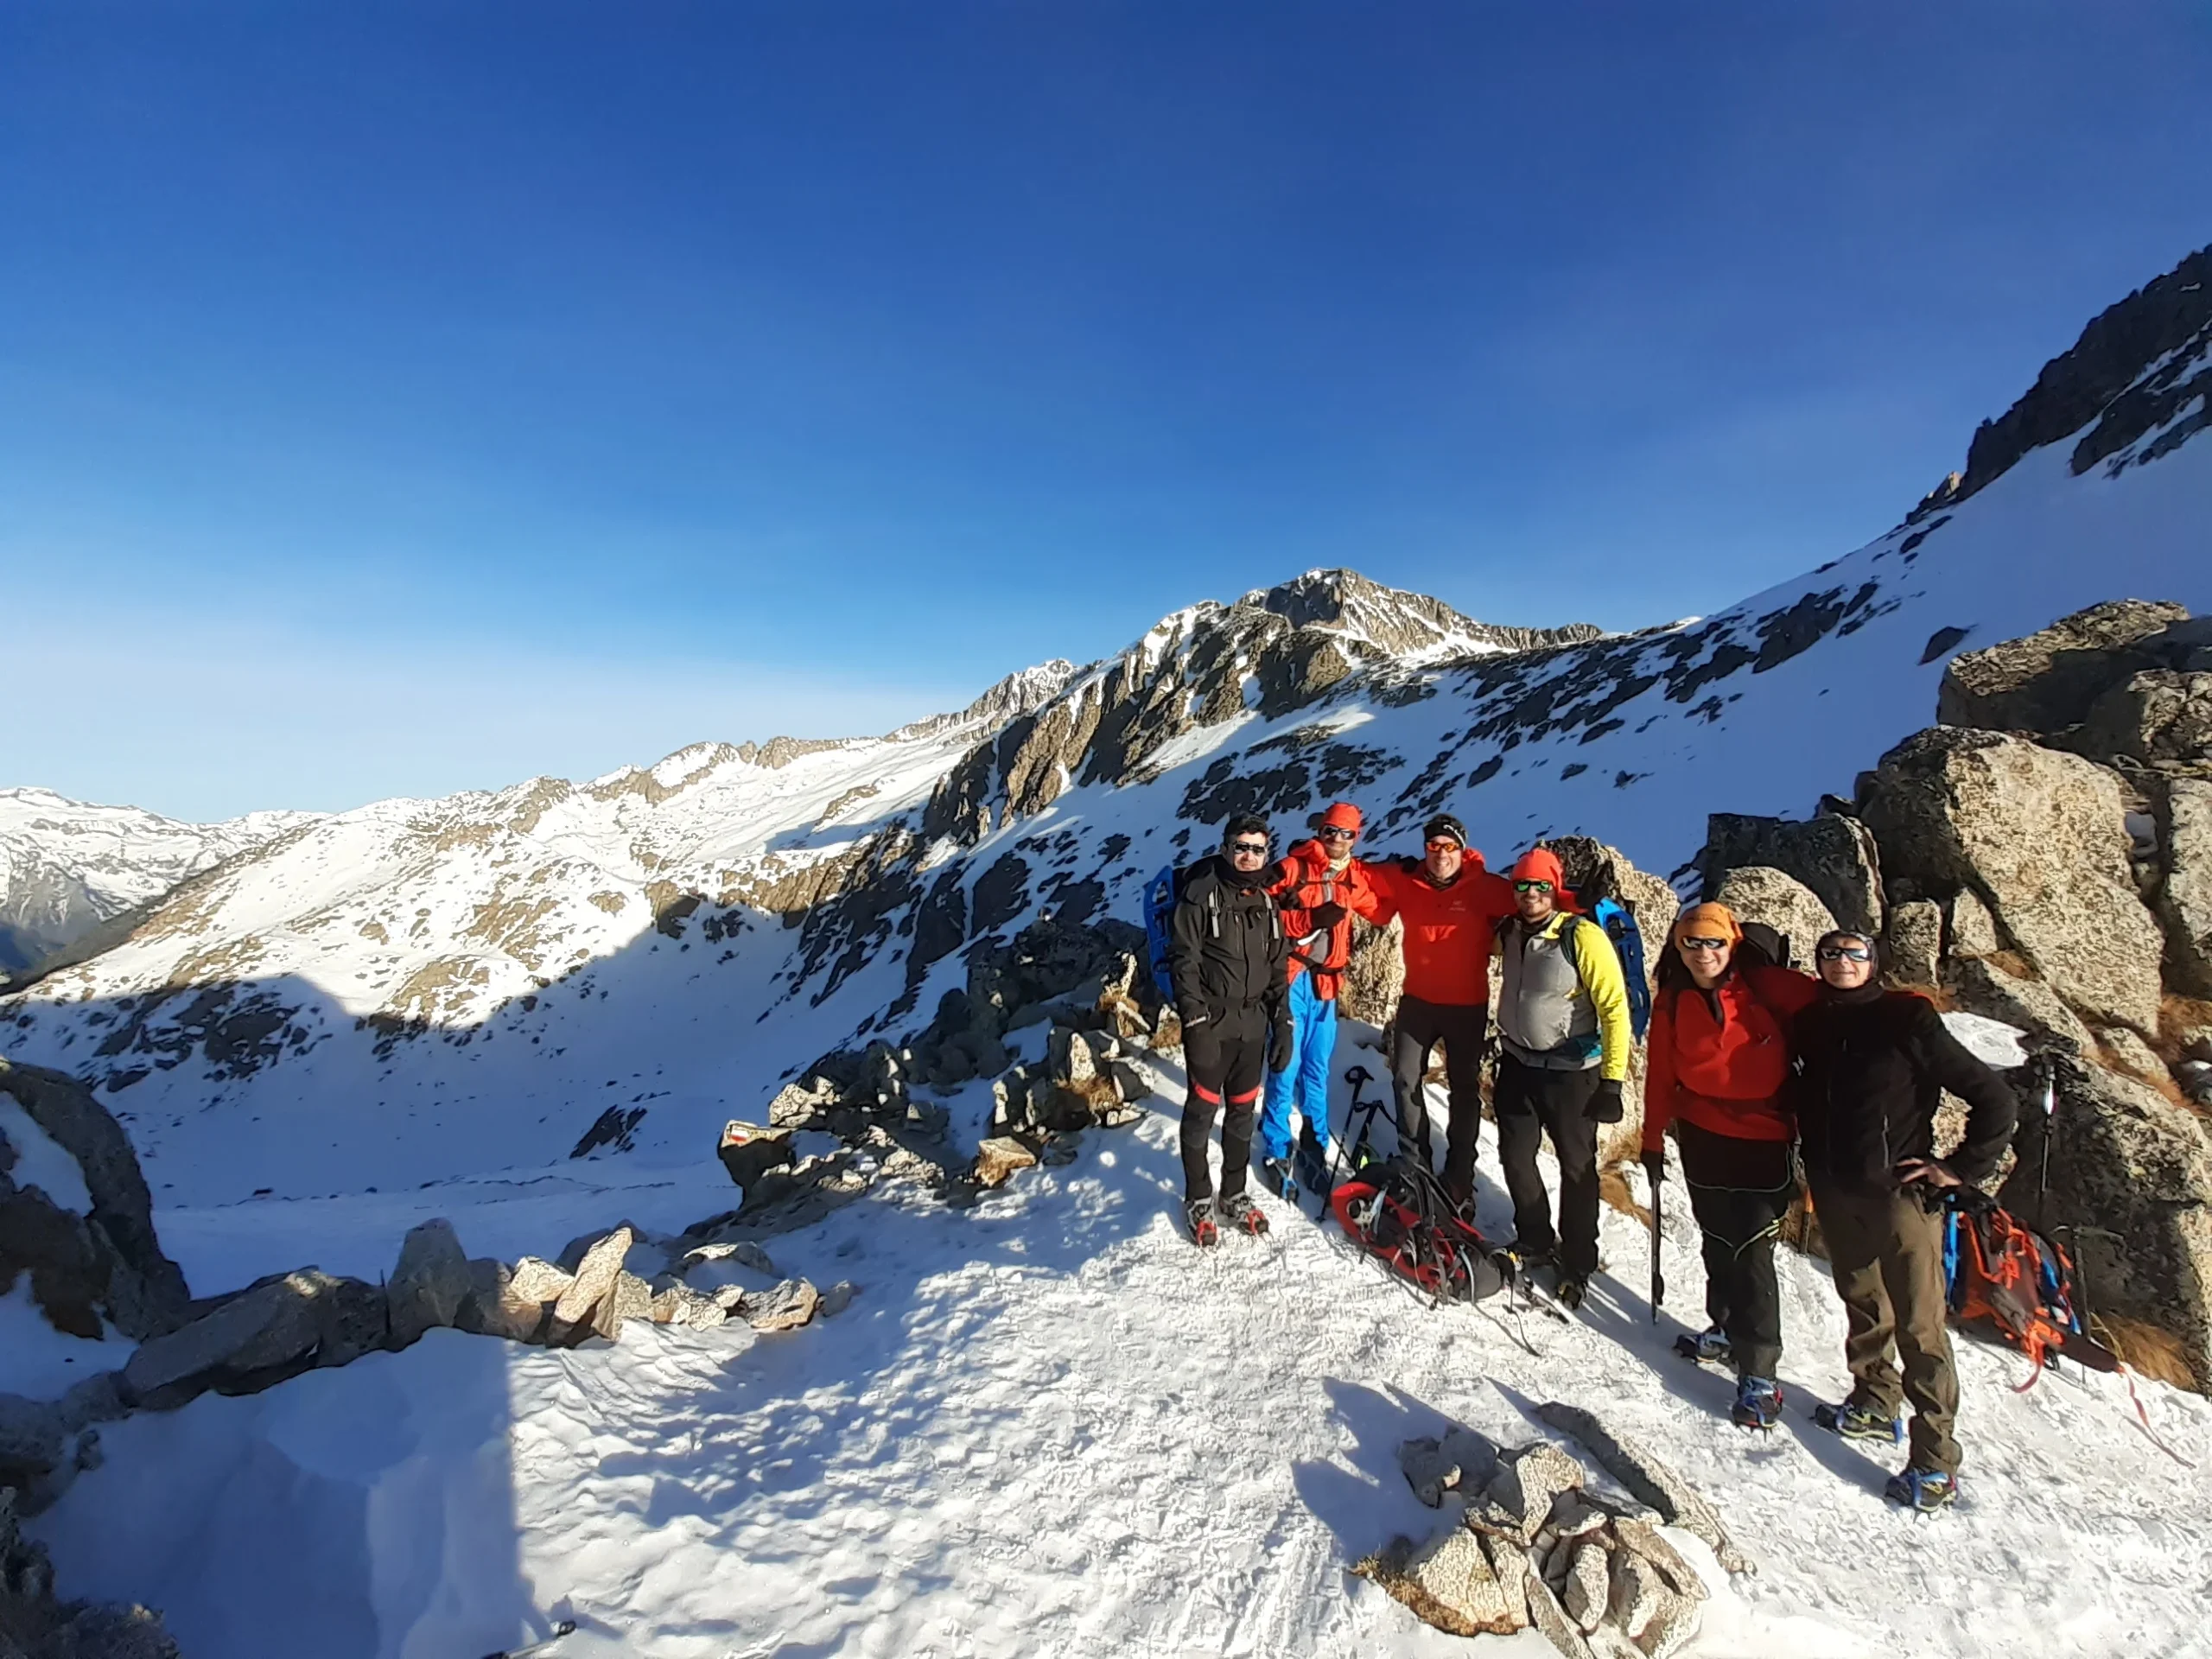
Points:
(1724, 1074)
(1449, 931)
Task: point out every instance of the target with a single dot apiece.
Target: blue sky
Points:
(406, 399)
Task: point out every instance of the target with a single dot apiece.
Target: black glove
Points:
(1279, 1046)
(1655, 1169)
(1322, 917)
(1606, 1105)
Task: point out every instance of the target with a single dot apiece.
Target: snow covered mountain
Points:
(66, 868)
(421, 990)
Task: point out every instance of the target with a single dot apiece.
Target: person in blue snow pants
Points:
(1319, 887)
(1305, 1080)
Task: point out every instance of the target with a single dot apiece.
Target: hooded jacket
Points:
(1872, 1065)
(1318, 904)
(1721, 1059)
(1226, 949)
(1450, 930)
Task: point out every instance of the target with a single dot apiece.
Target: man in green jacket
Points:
(1564, 1035)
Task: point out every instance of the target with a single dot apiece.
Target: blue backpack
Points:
(1161, 894)
(1620, 922)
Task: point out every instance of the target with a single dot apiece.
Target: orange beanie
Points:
(1707, 921)
(1343, 816)
(1540, 864)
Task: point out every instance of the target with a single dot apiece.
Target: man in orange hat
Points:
(1565, 1035)
(1319, 888)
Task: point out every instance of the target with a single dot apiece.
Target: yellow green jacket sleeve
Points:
(1600, 967)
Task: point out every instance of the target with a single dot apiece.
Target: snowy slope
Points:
(1050, 1427)
(66, 867)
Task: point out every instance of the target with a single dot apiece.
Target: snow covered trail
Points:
(1052, 1425)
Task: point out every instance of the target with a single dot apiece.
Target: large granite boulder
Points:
(2159, 718)
(2185, 898)
(143, 1294)
(1758, 893)
(1832, 855)
(429, 1283)
(2045, 682)
(2043, 837)
(268, 1332)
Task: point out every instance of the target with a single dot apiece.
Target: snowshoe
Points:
(1758, 1403)
(1199, 1213)
(1243, 1214)
(1707, 1347)
(1398, 1213)
(1310, 1163)
(1922, 1490)
(1529, 1260)
(1857, 1422)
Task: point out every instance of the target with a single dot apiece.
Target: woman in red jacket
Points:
(1720, 1060)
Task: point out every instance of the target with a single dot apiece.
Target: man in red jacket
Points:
(1451, 905)
(1319, 886)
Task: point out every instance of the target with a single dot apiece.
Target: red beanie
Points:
(1540, 864)
(1343, 816)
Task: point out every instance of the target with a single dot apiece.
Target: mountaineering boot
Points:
(1199, 1213)
(1275, 1175)
(1242, 1213)
(1546, 1257)
(1758, 1403)
(1924, 1490)
(1857, 1422)
(1572, 1288)
(1708, 1347)
(1311, 1164)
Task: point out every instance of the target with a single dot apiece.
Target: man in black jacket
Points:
(1872, 1065)
(1228, 962)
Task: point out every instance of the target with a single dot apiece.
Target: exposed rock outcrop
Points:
(1830, 856)
(2043, 837)
(1758, 893)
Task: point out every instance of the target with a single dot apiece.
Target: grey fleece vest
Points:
(1545, 1018)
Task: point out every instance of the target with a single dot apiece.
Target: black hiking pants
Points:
(1225, 1059)
(1530, 1102)
(1418, 1028)
(1739, 1191)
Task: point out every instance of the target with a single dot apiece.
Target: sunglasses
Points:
(1442, 842)
(1845, 953)
(1340, 835)
(1258, 848)
(1705, 944)
(1532, 886)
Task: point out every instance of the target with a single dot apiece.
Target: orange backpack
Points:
(2004, 1275)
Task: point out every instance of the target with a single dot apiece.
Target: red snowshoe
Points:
(1399, 1213)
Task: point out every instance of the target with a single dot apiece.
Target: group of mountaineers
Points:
(1768, 1077)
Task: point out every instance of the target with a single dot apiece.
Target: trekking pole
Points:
(1359, 1077)
(1658, 1275)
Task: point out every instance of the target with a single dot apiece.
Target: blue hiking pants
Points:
(1305, 1080)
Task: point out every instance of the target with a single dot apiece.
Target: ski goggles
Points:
(1532, 886)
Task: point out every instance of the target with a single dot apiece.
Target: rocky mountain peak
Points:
(2141, 370)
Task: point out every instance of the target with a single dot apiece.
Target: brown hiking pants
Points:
(1886, 1250)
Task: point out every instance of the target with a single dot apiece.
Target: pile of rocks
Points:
(1086, 984)
(2045, 858)
(1530, 1543)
